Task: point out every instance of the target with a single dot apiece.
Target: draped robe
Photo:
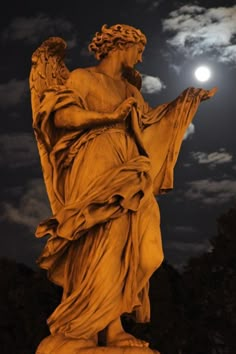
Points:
(103, 237)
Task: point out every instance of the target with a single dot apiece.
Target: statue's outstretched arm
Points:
(154, 114)
(208, 93)
(164, 130)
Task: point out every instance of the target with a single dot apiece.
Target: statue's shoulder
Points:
(80, 76)
(82, 73)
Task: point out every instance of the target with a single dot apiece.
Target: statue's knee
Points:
(151, 260)
(159, 259)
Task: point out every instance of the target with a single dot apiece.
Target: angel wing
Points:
(48, 69)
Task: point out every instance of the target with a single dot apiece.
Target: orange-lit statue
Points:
(105, 155)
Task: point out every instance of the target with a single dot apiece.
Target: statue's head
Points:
(115, 37)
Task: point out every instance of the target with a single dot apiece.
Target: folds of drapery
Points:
(110, 196)
(164, 129)
(99, 287)
(119, 192)
(50, 140)
(158, 133)
(122, 188)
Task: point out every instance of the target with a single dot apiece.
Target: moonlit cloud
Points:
(13, 92)
(195, 30)
(151, 84)
(32, 29)
(190, 131)
(212, 192)
(213, 158)
(18, 150)
(33, 206)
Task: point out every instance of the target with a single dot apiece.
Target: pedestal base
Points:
(62, 345)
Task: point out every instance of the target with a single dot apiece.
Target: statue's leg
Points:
(150, 258)
(151, 251)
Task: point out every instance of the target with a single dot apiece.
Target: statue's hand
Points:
(123, 109)
(206, 94)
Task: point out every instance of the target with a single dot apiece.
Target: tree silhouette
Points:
(167, 297)
(26, 300)
(210, 281)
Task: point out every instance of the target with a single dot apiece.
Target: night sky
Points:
(182, 35)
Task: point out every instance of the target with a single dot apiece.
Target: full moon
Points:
(202, 73)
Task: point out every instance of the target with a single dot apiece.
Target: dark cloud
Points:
(31, 29)
(13, 92)
(32, 208)
(150, 4)
(18, 150)
(181, 251)
(211, 192)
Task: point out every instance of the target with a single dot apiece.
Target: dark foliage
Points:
(27, 298)
(210, 282)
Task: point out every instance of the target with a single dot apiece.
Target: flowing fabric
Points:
(104, 239)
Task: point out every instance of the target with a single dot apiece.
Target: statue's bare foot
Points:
(87, 343)
(124, 339)
(117, 337)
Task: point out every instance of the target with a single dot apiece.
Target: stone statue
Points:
(105, 156)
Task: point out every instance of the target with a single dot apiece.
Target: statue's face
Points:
(133, 54)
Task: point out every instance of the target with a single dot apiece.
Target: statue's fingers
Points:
(213, 91)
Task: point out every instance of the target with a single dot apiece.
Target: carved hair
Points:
(117, 36)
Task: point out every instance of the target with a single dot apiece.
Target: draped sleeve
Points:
(163, 130)
(53, 142)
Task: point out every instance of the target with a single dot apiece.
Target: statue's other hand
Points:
(206, 94)
(122, 111)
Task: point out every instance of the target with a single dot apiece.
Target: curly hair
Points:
(117, 36)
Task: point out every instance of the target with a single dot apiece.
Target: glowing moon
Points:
(203, 73)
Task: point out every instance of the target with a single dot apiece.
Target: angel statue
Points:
(105, 155)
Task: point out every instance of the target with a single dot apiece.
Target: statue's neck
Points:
(111, 66)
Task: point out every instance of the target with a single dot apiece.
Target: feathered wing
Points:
(48, 70)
